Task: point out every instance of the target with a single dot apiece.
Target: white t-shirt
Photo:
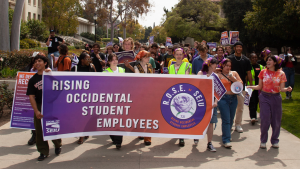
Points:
(117, 71)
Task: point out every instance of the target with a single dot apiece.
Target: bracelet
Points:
(100, 60)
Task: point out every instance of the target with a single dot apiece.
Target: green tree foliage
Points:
(280, 18)
(194, 18)
(24, 31)
(38, 29)
(61, 15)
(159, 34)
(133, 30)
(147, 34)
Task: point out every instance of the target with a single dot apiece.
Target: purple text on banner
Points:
(166, 70)
(22, 113)
(219, 88)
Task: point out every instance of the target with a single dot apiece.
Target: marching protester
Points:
(34, 91)
(113, 68)
(200, 59)
(228, 51)
(228, 103)
(188, 54)
(168, 56)
(220, 55)
(84, 65)
(143, 66)
(209, 66)
(52, 43)
(256, 68)
(288, 65)
(271, 83)
(241, 64)
(64, 62)
(163, 51)
(158, 57)
(264, 55)
(180, 68)
(117, 48)
(98, 58)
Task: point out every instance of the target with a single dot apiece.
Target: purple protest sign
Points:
(234, 37)
(224, 38)
(212, 45)
(22, 113)
(166, 70)
(125, 55)
(219, 88)
(89, 103)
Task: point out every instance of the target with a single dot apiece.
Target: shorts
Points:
(214, 118)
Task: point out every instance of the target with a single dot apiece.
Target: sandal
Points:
(80, 141)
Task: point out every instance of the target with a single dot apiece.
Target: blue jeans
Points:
(227, 106)
(290, 77)
(56, 54)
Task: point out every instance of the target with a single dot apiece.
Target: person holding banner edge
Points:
(271, 83)
(209, 66)
(113, 68)
(144, 67)
(182, 68)
(34, 91)
(228, 103)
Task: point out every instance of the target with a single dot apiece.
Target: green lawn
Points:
(291, 110)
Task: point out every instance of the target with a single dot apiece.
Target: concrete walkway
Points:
(98, 152)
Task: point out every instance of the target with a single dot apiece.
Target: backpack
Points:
(74, 61)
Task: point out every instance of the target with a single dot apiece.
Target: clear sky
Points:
(157, 12)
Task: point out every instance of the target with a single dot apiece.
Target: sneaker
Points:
(287, 98)
(181, 142)
(253, 120)
(57, 151)
(256, 120)
(210, 147)
(147, 143)
(239, 129)
(276, 145)
(196, 141)
(141, 138)
(227, 145)
(42, 157)
(32, 140)
(263, 145)
(118, 146)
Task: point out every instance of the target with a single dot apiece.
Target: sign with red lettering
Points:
(22, 112)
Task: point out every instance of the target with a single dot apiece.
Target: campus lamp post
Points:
(95, 19)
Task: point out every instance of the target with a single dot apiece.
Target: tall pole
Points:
(16, 25)
(95, 33)
(4, 27)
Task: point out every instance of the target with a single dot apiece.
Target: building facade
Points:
(32, 9)
(85, 26)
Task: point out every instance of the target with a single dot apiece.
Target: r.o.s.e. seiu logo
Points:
(183, 106)
(52, 126)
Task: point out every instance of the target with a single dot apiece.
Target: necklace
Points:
(236, 58)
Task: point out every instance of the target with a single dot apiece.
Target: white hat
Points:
(34, 54)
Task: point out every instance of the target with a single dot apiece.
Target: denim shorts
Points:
(214, 118)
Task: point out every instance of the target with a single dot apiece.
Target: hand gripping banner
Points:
(86, 104)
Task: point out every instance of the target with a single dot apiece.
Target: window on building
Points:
(29, 16)
(39, 17)
(34, 16)
(29, 2)
(34, 2)
(39, 3)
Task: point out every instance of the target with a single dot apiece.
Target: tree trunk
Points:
(4, 26)
(111, 24)
(16, 25)
(124, 27)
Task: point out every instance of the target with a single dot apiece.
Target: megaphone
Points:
(237, 88)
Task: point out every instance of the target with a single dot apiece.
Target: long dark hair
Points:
(275, 60)
(82, 56)
(205, 67)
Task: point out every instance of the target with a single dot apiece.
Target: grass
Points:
(291, 110)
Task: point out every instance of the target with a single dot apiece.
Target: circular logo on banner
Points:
(183, 106)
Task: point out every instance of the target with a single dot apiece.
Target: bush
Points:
(6, 72)
(38, 29)
(24, 44)
(90, 36)
(32, 43)
(25, 31)
(108, 40)
(6, 97)
(18, 59)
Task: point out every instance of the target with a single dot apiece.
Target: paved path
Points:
(98, 152)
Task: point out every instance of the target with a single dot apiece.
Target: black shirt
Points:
(35, 86)
(54, 43)
(96, 61)
(257, 70)
(241, 65)
(262, 62)
(81, 68)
